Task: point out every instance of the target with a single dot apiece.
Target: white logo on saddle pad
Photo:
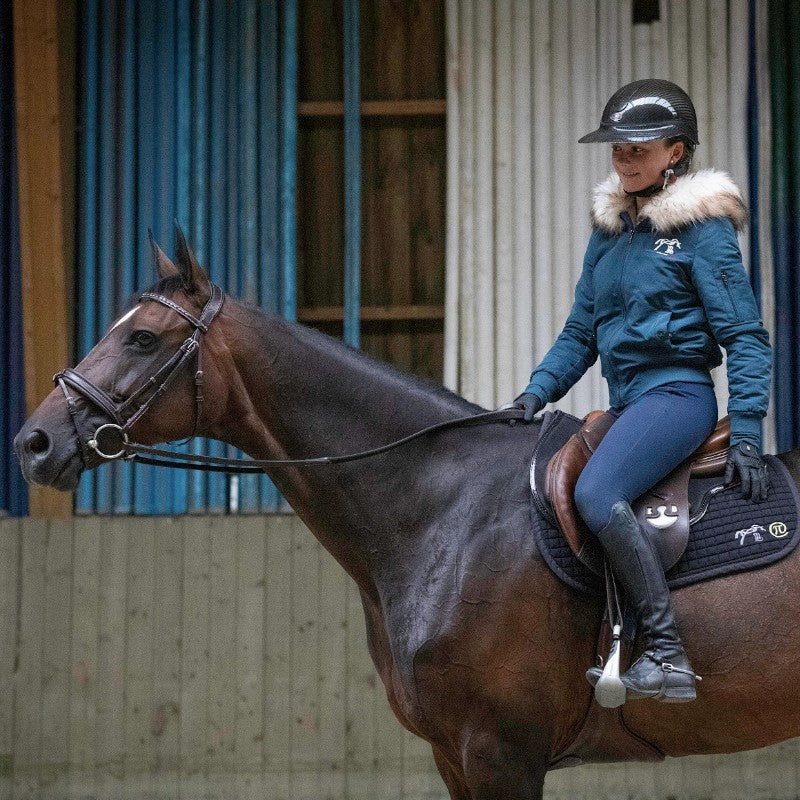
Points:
(660, 517)
(667, 246)
(755, 530)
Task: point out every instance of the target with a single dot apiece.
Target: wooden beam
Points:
(45, 130)
(407, 313)
(375, 108)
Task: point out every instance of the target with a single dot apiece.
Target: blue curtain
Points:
(784, 60)
(13, 493)
(180, 119)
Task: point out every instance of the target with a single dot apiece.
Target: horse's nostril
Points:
(37, 442)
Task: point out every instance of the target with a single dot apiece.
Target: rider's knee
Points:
(592, 504)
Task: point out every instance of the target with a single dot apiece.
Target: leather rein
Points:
(110, 441)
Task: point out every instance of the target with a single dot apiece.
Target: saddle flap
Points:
(563, 472)
(663, 514)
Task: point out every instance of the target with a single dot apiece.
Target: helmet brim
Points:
(621, 134)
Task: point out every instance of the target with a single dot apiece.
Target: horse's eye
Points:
(144, 340)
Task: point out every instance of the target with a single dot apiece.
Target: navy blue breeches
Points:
(650, 438)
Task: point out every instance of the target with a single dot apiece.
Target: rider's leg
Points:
(650, 438)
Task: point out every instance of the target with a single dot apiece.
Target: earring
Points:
(668, 174)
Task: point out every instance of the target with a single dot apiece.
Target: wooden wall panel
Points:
(403, 184)
(204, 657)
(10, 580)
(43, 51)
(30, 595)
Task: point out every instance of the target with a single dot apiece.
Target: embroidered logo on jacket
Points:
(667, 246)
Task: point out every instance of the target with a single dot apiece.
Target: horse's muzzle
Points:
(46, 458)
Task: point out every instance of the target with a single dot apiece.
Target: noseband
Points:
(110, 441)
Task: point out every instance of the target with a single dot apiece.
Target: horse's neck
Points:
(308, 395)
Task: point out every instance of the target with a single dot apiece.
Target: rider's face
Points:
(641, 164)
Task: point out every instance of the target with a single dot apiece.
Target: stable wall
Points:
(223, 657)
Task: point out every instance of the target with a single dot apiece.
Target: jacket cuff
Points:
(543, 386)
(745, 427)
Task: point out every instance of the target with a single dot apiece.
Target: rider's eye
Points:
(143, 339)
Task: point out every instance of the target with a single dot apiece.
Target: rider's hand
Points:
(531, 403)
(745, 459)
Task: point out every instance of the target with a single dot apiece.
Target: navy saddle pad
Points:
(733, 535)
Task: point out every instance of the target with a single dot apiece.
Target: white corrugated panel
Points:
(526, 78)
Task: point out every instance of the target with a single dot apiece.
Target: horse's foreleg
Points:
(453, 778)
(498, 769)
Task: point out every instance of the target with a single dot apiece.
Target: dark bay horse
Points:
(482, 650)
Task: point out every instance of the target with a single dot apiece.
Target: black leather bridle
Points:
(109, 442)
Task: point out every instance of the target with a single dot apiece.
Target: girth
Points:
(663, 511)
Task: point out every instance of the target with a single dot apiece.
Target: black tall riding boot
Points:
(663, 671)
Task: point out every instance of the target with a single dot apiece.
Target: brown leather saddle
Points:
(663, 512)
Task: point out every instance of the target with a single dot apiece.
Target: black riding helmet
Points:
(644, 111)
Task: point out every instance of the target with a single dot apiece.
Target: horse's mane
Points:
(336, 350)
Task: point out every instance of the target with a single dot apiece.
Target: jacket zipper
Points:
(726, 283)
(619, 291)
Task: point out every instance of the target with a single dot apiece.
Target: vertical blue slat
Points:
(247, 260)
(165, 483)
(785, 105)
(234, 131)
(107, 163)
(289, 160)
(17, 491)
(123, 489)
(753, 146)
(13, 492)
(183, 105)
(247, 168)
(199, 198)
(147, 166)
(352, 174)
(268, 155)
(268, 181)
(217, 489)
(87, 218)
(182, 146)
(172, 130)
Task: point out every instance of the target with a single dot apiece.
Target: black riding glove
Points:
(745, 459)
(531, 403)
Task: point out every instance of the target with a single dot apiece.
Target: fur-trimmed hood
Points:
(691, 198)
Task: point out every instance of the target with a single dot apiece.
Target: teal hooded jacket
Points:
(657, 300)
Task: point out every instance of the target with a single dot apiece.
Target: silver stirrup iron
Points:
(610, 691)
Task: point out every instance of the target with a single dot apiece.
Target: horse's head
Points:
(144, 378)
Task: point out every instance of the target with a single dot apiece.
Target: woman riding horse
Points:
(662, 288)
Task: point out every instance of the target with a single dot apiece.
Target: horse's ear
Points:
(162, 261)
(189, 268)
